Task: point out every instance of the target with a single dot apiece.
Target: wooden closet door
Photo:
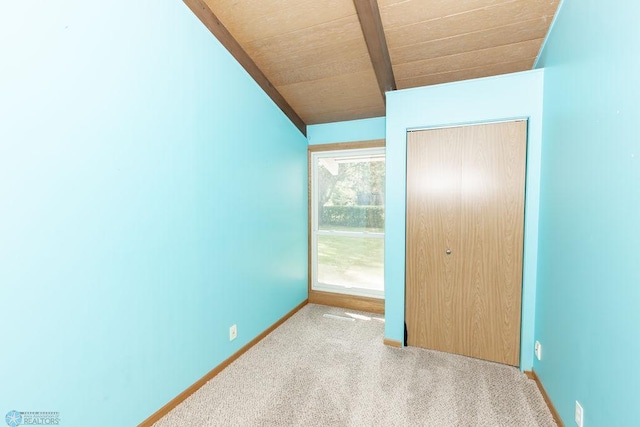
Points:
(465, 224)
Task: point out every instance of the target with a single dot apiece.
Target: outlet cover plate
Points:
(579, 416)
(538, 350)
(233, 332)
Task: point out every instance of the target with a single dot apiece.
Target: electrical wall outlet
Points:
(579, 416)
(538, 350)
(233, 332)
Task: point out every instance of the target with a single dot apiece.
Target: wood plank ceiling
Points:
(332, 60)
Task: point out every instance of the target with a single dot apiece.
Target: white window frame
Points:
(315, 232)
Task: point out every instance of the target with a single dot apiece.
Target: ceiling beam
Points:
(371, 23)
(211, 21)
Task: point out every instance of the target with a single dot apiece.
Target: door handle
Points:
(448, 251)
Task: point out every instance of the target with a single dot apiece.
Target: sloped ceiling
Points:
(332, 60)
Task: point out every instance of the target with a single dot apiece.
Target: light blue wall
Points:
(498, 98)
(150, 196)
(349, 131)
(588, 302)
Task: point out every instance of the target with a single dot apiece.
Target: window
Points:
(347, 230)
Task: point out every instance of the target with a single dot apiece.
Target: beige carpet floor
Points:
(321, 370)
